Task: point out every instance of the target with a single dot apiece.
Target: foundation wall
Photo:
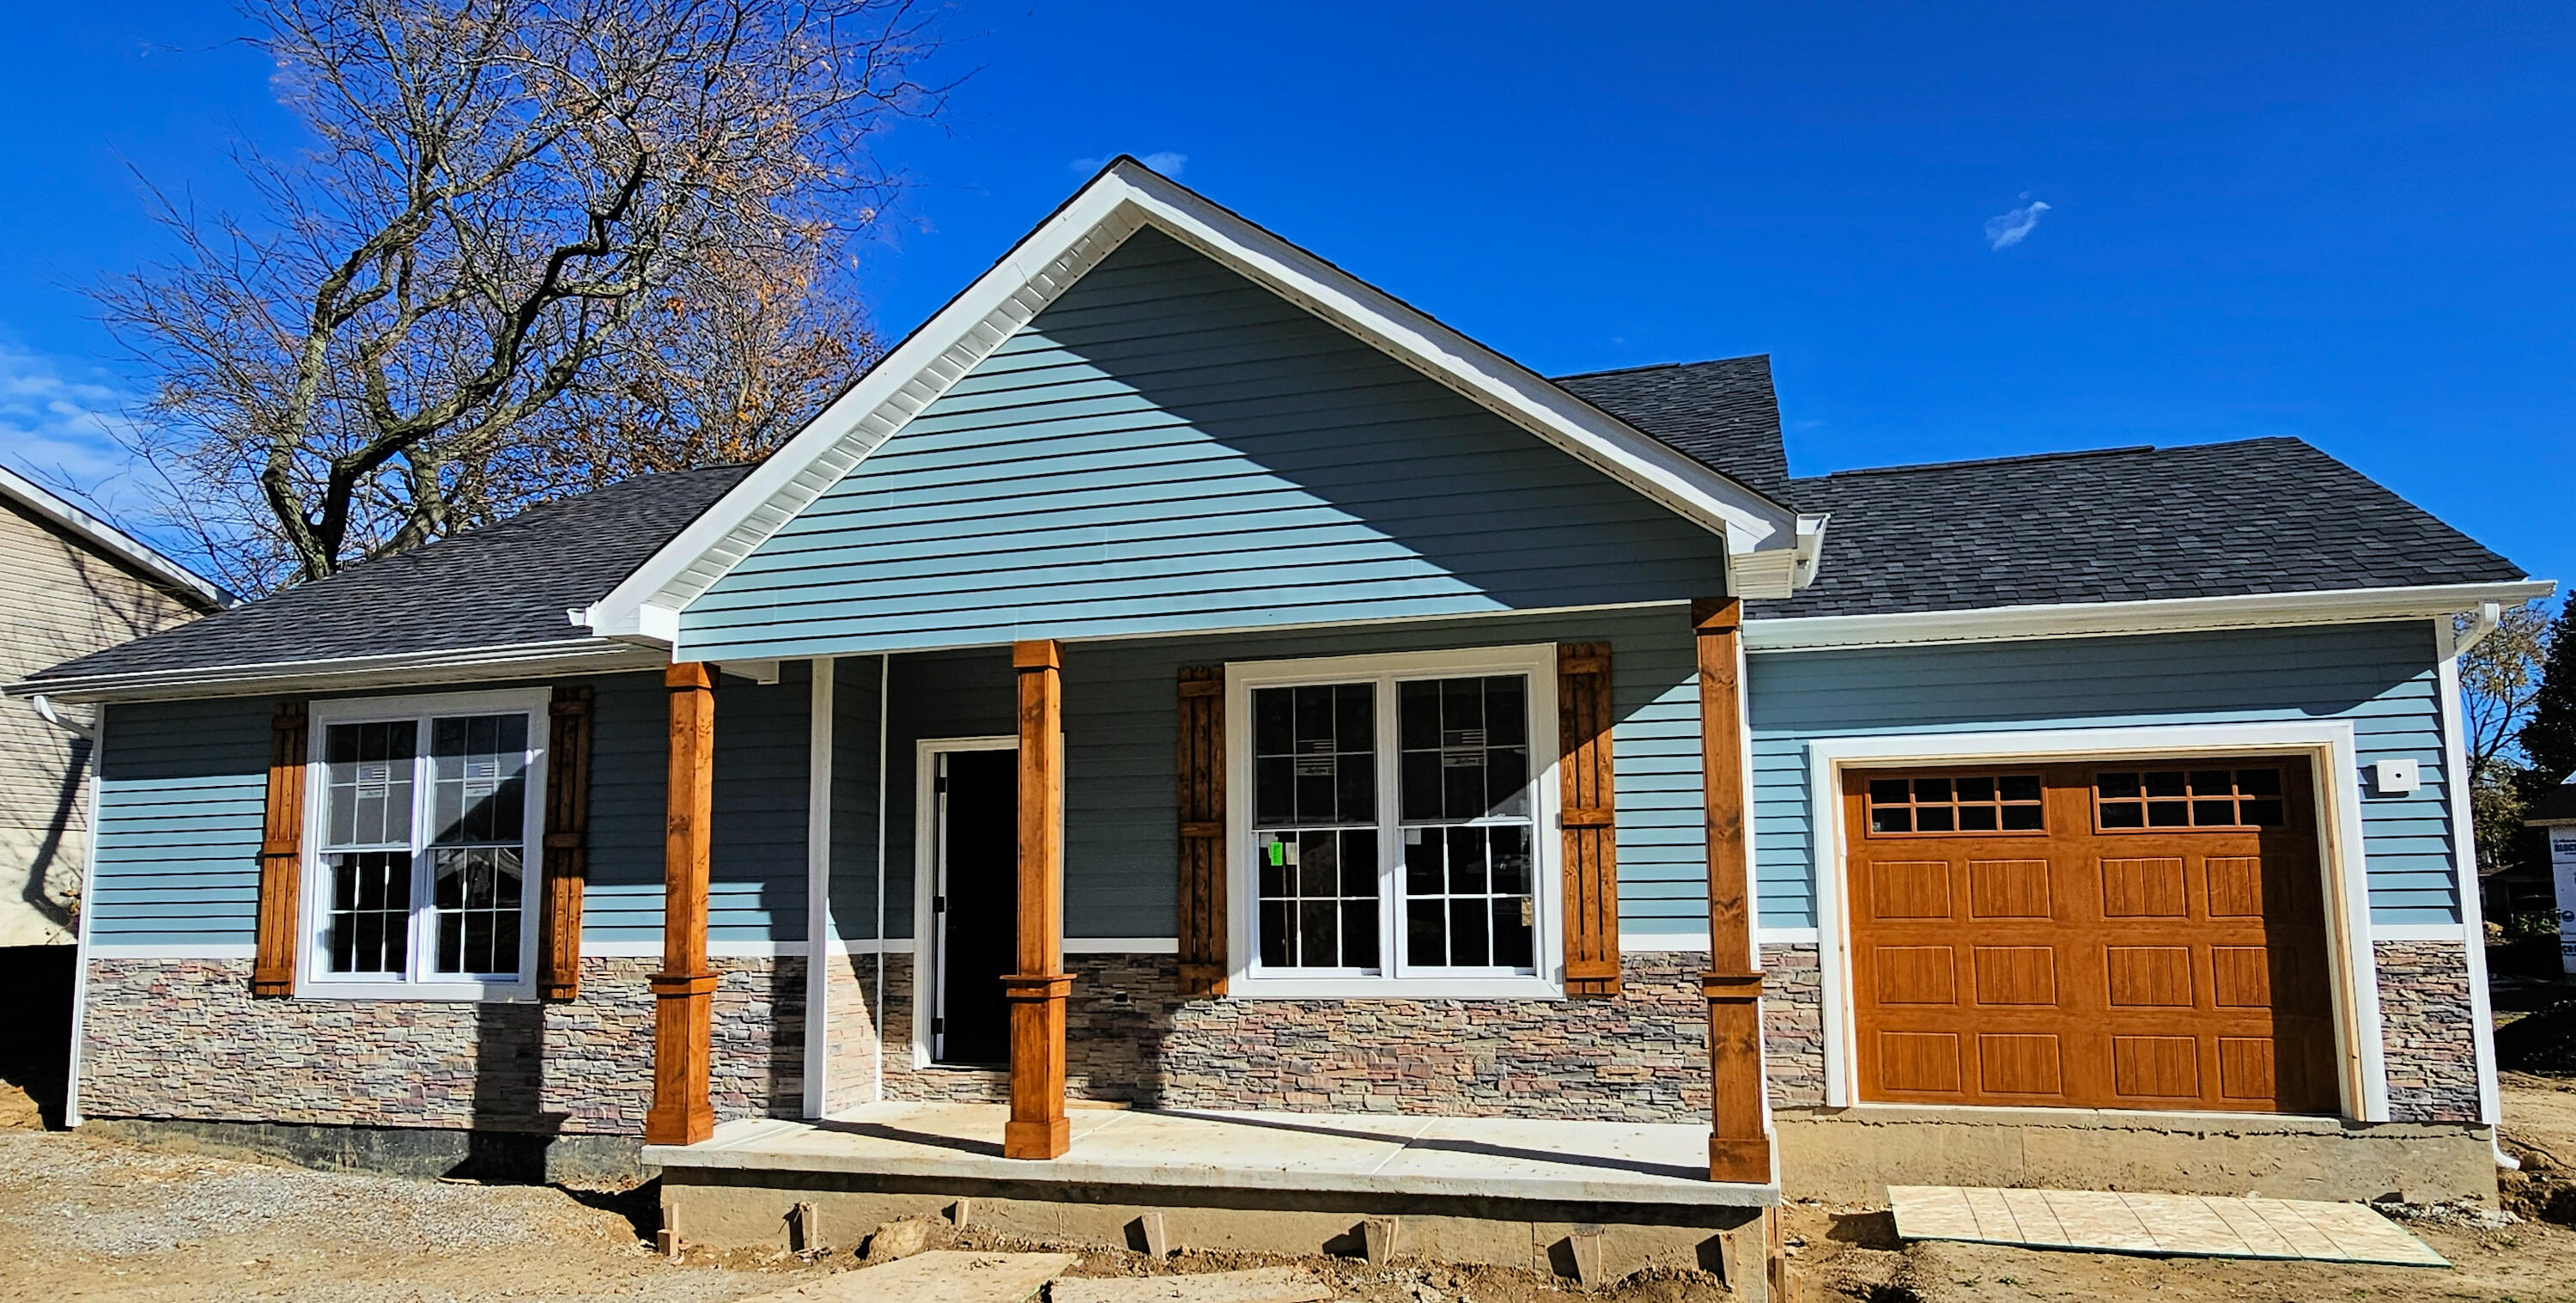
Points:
(752, 1210)
(1851, 1155)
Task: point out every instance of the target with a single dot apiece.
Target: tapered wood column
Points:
(684, 991)
(1037, 992)
(1739, 1142)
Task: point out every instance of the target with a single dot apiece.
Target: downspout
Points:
(885, 679)
(44, 708)
(2464, 835)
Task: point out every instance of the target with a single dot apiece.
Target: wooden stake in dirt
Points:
(1158, 1239)
(806, 1228)
(1377, 1236)
(1584, 1246)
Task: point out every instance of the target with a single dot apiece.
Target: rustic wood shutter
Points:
(281, 855)
(1202, 809)
(567, 863)
(1587, 811)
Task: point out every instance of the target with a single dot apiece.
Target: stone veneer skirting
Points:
(2427, 1024)
(1641, 1057)
(182, 1039)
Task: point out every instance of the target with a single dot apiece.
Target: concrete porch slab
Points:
(1512, 1159)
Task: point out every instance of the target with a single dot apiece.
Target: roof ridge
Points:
(1655, 366)
(2125, 450)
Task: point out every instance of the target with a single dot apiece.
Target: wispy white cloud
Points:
(59, 426)
(2012, 228)
(1166, 162)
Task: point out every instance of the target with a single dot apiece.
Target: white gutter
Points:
(2098, 619)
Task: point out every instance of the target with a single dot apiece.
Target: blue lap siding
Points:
(1121, 824)
(2379, 677)
(183, 787)
(1170, 448)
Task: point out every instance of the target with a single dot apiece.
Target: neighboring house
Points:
(1198, 680)
(71, 584)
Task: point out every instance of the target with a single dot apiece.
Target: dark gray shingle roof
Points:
(2125, 524)
(1722, 412)
(505, 584)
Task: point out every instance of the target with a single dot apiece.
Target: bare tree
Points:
(2500, 683)
(535, 244)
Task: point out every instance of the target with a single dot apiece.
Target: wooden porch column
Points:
(1739, 1142)
(684, 991)
(1038, 1128)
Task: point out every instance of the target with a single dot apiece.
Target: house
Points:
(72, 584)
(1180, 676)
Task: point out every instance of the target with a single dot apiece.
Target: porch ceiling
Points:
(1336, 1153)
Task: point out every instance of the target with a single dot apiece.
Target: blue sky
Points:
(2351, 223)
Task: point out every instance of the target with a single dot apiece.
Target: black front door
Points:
(977, 904)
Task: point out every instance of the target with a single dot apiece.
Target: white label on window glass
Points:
(1314, 766)
(1412, 836)
(374, 779)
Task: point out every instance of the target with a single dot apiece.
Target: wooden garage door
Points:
(2116, 935)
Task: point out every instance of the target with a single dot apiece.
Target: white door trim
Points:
(929, 867)
(2328, 744)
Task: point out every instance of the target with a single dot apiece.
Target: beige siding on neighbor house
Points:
(59, 598)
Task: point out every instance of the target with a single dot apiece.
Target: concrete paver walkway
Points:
(2191, 1225)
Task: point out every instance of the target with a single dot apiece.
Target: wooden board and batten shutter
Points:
(281, 855)
(1588, 814)
(1201, 765)
(567, 862)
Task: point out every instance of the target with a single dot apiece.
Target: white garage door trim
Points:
(2329, 743)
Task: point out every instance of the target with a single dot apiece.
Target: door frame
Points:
(929, 868)
(2335, 779)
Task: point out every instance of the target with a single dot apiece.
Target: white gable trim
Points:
(1773, 554)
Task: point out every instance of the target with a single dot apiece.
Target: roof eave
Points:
(349, 673)
(2101, 619)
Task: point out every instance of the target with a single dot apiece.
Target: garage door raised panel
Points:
(2116, 935)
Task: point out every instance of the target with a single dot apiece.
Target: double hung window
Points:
(1387, 830)
(422, 873)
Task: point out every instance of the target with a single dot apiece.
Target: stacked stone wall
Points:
(183, 1039)
(2426, 1020)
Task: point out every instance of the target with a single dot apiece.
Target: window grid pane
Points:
(368, 928)
(367, 770)
(1315, 832)
(1464, 778)
(2124, 800)
(1944, 804)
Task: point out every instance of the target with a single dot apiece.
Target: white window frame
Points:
(312, 980)
(1248, 979)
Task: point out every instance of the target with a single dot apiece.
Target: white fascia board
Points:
(113, 541)
(457, 665)
(1123, 199)
(2097, 619)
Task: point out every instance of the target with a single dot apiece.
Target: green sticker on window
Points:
(1278, 853)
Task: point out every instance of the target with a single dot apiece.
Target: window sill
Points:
(1246, 987)
(523, 992)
